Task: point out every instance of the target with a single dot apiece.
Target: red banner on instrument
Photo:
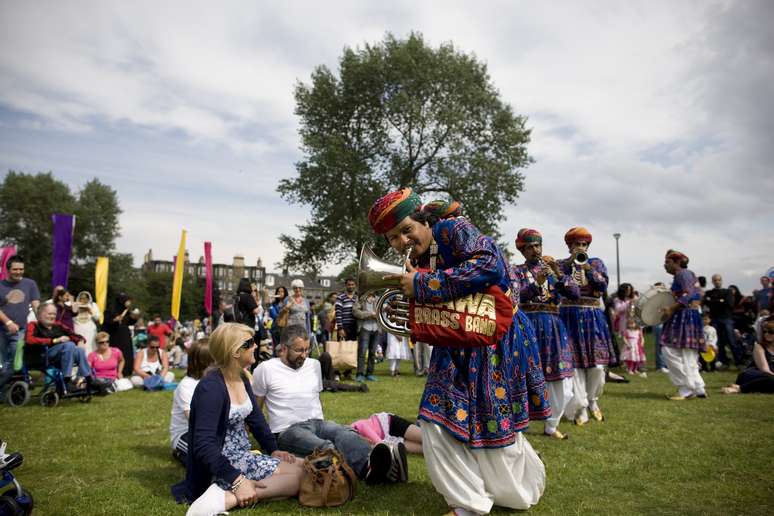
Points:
(476, 320)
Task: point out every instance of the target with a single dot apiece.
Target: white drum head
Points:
(647, 311)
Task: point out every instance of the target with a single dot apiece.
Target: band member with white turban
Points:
(477, 400)
(541, 286)
(682, 336)
(586, 325)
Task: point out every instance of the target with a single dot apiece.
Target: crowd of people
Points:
(546, 337)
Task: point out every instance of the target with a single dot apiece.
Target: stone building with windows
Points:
(226, 277)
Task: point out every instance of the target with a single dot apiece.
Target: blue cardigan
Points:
(207, 425)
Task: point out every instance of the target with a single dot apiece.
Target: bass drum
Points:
(647, 311)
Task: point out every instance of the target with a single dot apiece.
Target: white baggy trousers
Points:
(559, 396)
(587, 385)
(475, 479)
(683, 365)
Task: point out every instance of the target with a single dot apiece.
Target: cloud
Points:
(652, 119)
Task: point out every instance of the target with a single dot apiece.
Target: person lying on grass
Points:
(219, 447)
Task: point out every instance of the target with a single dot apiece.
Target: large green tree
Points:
(27, 202)
(399, 113)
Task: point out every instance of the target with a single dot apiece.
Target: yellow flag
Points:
(177, 280)
(101, 284)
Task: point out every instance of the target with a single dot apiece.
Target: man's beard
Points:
(296, 364)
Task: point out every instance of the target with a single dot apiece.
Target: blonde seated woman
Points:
(219, 448)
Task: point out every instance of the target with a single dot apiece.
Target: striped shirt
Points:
(344, 316)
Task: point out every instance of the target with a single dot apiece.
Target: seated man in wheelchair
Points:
(62, 350)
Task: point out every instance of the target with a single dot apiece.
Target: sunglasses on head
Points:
(248, 343)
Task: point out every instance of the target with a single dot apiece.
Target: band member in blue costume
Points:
(682, 337)
(541, 286)
(477, 401)
(586, 326)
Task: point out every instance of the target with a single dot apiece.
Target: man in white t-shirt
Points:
(290, 387)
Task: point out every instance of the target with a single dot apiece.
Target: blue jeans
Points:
(366, 342)
(7, 354)
(67, 354)
(726, 335)
(660, 363)
(302, 438)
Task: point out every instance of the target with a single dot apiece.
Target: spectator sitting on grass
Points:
(151, 361)
(219, 448)
(759, 377)
(199, 359)
(107, 362)
(290, 387)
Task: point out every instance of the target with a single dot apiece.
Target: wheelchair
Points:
(15, 501)
(53, 388)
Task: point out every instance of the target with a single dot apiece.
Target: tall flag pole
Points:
(208, 277)
(177, 279)
(101, 285)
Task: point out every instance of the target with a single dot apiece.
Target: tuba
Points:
(392, 307)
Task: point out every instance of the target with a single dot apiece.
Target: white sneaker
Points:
(664, 370)
(643, 374)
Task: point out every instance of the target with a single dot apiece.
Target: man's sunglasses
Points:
(248, 343)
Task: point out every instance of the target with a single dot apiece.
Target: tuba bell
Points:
(392, 307)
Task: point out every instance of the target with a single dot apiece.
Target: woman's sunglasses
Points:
(248, 343)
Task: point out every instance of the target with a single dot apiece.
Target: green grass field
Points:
(650, 456)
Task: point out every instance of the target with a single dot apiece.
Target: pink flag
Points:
(208, 277)
(5, 253)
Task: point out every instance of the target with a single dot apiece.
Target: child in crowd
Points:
(633, 353)
(711, 338)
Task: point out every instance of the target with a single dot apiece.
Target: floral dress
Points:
(236, 448)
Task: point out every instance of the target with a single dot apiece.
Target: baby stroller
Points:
(53, 385)
(15, 501)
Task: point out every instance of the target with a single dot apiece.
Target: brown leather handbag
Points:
(328, 480)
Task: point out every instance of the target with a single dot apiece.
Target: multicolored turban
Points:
(442, 209)
(392, 208)
(528, 236)
(579, 234)
(678, 257)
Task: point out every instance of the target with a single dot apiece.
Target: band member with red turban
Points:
(682, 336)
(586, 326)
(477, 400)
(541, 286)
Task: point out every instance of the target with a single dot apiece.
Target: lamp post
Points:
(617, 260)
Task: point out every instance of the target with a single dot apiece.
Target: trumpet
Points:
(580, 258)
(392, 307)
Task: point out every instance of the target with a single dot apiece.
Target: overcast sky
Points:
(651, 119)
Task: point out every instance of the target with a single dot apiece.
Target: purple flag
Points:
(64, 226)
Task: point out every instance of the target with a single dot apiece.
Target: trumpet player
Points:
(477, 401)
(586, 325)
(541, 286)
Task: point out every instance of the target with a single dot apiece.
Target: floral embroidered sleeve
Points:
(478, 264)
(527, 290)
(684, 287)
(567, 287)
(597, 276)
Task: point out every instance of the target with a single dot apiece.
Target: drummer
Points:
(541, 285)
(682, 337)
(586, 324)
